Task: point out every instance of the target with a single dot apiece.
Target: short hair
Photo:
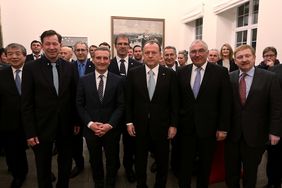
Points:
(185, 53)
(269, 49)
(244, 47)
(105, 44)
(153, 42)
(229, 48)
(50, 33)
(93, 46)
(136, 46)
(35, 41)
(17, 46)
(121, 36)
(103, 49)
(201, 42)
(171, 47)
(80, 42)
(2, 51)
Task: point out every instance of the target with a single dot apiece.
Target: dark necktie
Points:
(55, 77)
(243, 89)
(122, 68)
(101, 87)
(18, 81)
(197, 82)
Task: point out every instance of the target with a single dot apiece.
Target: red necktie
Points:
(243, 88)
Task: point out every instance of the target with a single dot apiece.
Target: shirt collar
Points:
(81, 62)
(251, 72)
(98, 74)
(14, 69)
(155, 69)
(118, 59)
(203, 66)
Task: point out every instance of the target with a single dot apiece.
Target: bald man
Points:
(66, 53)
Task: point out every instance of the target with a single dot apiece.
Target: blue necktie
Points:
(55, 77)
(151, 84)
(101, 87)
(18, 81)
(80, 69)
(197, 82)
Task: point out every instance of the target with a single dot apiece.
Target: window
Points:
(199, 28)
(246, 26)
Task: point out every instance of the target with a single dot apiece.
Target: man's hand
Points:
(171, 132)
(103, 129)
(221, 135)
(131, 130)
(32, 141)
(273, 139)
(269, 62)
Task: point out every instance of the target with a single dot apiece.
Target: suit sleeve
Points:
(28, 97)
(129, 98)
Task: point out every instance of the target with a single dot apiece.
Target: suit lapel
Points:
(62, 77)
(187, 77)
(11, 77)
(143, 82)
(108, 87)
(161, 77)
(47, 74)
(89, 67)
(256, 81)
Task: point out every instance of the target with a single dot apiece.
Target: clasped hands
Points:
(100, 129)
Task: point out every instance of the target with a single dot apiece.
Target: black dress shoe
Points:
(17, 182)
(130, 175)
(53, 177)
(75, 171)
(153, 167)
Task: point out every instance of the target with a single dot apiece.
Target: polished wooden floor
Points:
(84, 180)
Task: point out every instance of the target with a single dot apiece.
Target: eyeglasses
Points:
(269, 55)
(200, 51)
(80, 50)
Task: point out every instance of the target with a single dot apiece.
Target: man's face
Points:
(152, 55)
(101, 61)
(130, 52)
(169, 57)
(137, 53)
(198, 54)
(66, 53)
(81, 52)
(51, 47)
(245, 60)
(15, 57)
(122, 47)
(36, 48)
(269, 58)
(91, 51)
(213, 56)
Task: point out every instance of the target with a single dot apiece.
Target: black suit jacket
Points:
(232, 65)
(211, 110)
(261, 114)
(44, 112)
(10, 103)
(157, 115)
(110, 110)
(115, 69)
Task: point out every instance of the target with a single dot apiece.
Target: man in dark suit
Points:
(204, 114)
(256, 118)
(81, 66)
(151, 112)
(120, 65)
(100, 103)
(48, 108)
(170, 56)
(12, 137)
(35, 47)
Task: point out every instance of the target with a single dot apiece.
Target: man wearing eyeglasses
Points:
(81, 67)
(269, 55)
(204, 114)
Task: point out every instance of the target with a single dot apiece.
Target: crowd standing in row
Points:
(152, 100)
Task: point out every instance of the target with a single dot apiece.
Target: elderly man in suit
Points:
(256, 118)
(204, 114)
(12, 137)
(48, 108)
(100, 103)
(120, 65)
(151, 112)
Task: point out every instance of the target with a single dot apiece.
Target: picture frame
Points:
(139, 30)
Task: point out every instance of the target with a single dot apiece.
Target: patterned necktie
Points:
(80, 69)
(243, 89)
(151, 84)
(122, 68)
(197, 82)
(55, 77)
(18, 81)
(101, 87)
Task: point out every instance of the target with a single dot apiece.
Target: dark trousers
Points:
(175, 155)
(77, 149)
(192, 145)
(161, 152)
(128, 149)
(95, 146)
(14, 145)
(238, 155)
(274, 164)
(43, 159)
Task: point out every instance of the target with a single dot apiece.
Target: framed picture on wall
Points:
(139, 30)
